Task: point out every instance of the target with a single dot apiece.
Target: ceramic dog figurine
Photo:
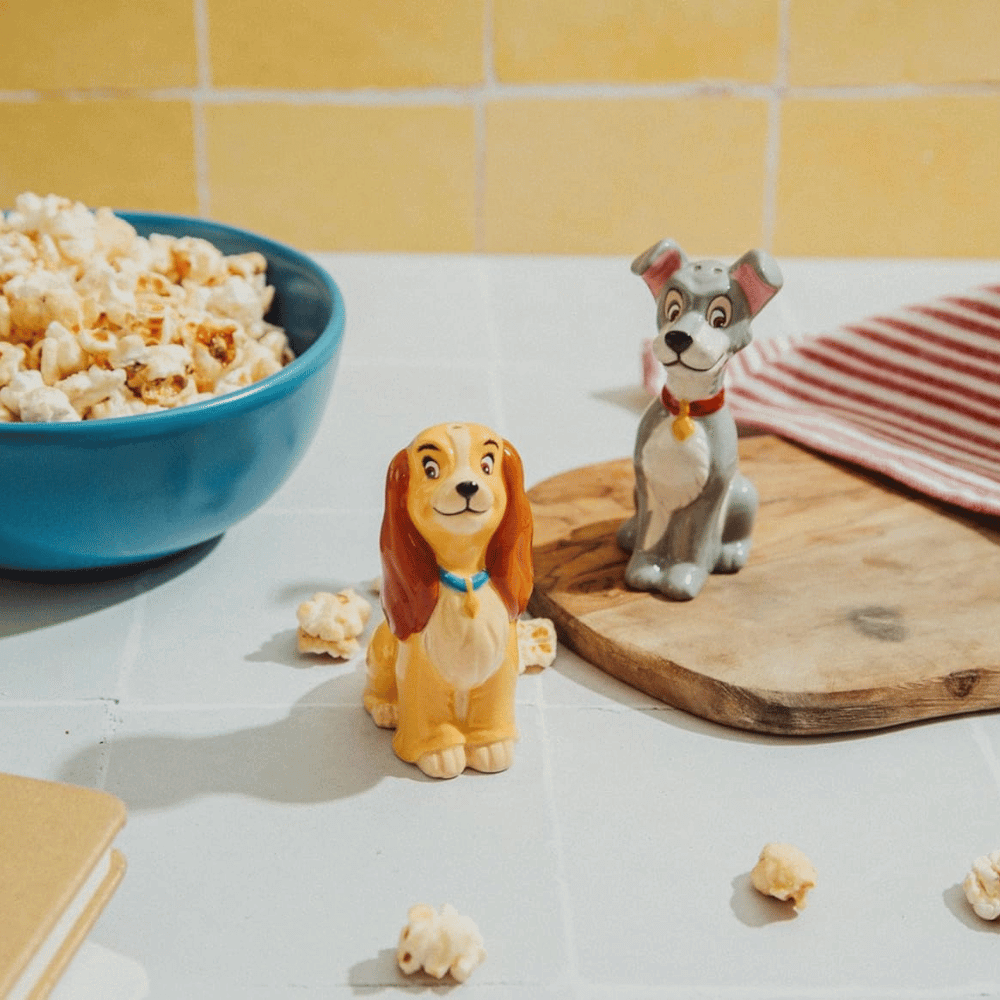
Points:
(456, 573)
(694, 510)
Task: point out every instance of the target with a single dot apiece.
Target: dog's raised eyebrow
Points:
(433, 447)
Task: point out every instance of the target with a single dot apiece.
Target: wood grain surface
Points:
(863, 606)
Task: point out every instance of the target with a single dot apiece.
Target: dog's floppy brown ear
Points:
(409, 569)
(508, 556)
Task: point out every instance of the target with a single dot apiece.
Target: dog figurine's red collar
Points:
(683, 410)
(696, 407)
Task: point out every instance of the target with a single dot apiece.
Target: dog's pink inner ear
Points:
(757, 291)
(659, 273)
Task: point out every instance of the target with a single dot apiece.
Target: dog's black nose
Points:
(677, 340)
(467, 490)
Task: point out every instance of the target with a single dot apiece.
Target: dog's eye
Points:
(720, 312)
(673, 305)
(487, 464)
(431, 468)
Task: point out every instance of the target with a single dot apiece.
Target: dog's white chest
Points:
(466, 651)
(676, 472)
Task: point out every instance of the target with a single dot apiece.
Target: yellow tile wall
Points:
(913, 176)
(861, 127)
(599, 175)
(648, 41)
(315, 44)
(368, 178)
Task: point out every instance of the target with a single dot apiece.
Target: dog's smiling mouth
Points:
(467, 509)
(691, 368)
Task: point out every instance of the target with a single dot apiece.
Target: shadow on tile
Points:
(33, 600)
(954, 899)
(755, 910)
(374, 975)
(323, 750)
(633, 398)
(282, 648)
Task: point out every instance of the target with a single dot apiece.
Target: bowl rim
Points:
(239, 400)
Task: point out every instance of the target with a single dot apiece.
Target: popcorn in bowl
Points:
(97, 321)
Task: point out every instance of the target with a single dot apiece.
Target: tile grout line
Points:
(194, 707)
(479, 177)
(772, 152)
(493, 377)
(131, 649)
(846, 992)
(199, 99)
(42, 702)
(285, 511)
(465, 95)
(572, 971)
(480, 99)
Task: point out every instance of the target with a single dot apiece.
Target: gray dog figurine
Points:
(695, 511)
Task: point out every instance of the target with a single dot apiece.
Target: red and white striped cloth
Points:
(913, 394)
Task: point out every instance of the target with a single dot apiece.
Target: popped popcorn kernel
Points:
(13, 359)
(4, 318)
(331, 623)
(236, 298)
(32, 401)
(784, 872)
(440, 943)
(247, 265)
(536, 644)
(196, 260)
(60, 354)
(38, 298)
(99, 343)
(982, 886)
(85, 390)
(160, 375)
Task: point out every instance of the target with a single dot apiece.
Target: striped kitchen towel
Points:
(913, 394)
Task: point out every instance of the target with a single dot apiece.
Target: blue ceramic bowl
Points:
(102, 493)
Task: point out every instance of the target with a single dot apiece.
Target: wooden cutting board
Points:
(862, 606)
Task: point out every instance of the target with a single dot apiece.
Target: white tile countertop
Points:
(275, 843)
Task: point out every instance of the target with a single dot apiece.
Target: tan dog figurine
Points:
(456, 573)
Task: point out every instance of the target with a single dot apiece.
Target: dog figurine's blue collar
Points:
(458, 583)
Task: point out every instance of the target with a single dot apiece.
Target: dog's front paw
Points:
(644, 572)
(385, 714)
(733, 557)
(445, 763)
(679, 582)
(683, 582)
(492, 757)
